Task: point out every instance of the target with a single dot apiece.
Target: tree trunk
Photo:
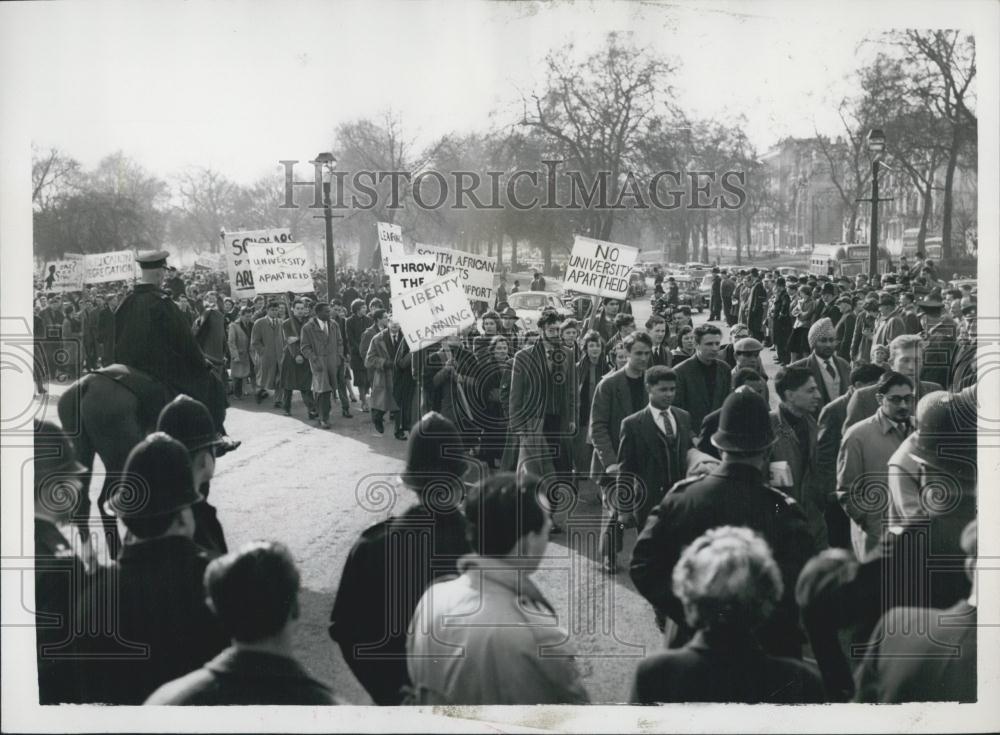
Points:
(513, 252)
(928, 204)
(547, 257)
(739, 237)
(949, 183)
(500, 253)
(749, 239)
(682, 247)
(704, 237)
(852, 226)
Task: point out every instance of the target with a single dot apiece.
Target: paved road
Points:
(317, 490)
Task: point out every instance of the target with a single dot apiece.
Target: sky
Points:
(238, 85)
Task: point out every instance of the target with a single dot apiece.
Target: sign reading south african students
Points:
(600, 268)
(477, 271)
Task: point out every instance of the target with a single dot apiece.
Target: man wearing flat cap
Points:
(941, 333)
(158, 627)
(152, 335)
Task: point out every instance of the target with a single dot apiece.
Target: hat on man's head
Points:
(157, 480)
(886, 299)
(945, 421)
(744, 424)
(509, 313)
(189, 422)
(829, 288)
(54, 453)
(433, 452)
(149, 259)
(747, 344)
(821, 328)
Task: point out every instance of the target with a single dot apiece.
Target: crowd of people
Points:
(782, 550)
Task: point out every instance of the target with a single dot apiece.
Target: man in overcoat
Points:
(323, 346)
(295, 372)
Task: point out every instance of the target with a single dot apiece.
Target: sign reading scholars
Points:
(600, 268)
(240, 273)
(390, 242)
(429, 313)
(107, 267)
(278, 268)
(477, 271)
(409, 271)
(64, 275)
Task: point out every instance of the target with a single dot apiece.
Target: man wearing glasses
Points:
(864, 455)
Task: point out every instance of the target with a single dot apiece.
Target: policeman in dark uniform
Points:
(59, 572)
(151, 334)
(736, 493)
(394, 561)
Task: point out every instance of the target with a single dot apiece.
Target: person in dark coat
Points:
(736, 493)
(405, 387)
(715, 300)
(295, 373)
(59, 488)
(831, 373)
(702, 380)
(159, 627)
(757, 306)
(254, 593)
(783, 319)
(356, 325)
(209, 330)
(394, 561)
(726, 290)
(653, 449)
(189, 422)
(728, 584)
(152, 335)
(744, 379)
(845, 327)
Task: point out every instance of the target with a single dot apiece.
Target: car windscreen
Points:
(528, 301)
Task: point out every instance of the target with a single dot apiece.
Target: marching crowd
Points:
(784, 552)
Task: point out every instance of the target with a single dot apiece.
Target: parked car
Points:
(689, 292)
(529, 305)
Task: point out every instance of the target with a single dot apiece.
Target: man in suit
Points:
(267, 344)
(355, 327)
(656, 328)
(602, 320)
(757, 305)
(845, 327)
(888, 324)
(323, 346)
(378, 320)
(864, 457)
(795, 428)
(381, 360)
(653, 450)
(618, 396)
(831, 372)
(295, 373)
(827, 308)
(828, 436)
(904, 357)
(702, 380)
(543, 402)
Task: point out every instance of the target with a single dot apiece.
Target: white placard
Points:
(279, 267)
(477, 271)
(433, 311)
(600, 268)
(119, 265)
(409, 271)
(390, 242)
(240, 274)
(63, 275)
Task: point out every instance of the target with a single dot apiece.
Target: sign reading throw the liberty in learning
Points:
(477, 271)
(429, 313)
(600, 268)
(63, 275)
(119, 265)
(390, 242)
(409, 271)
(279, 267)
(240, 272)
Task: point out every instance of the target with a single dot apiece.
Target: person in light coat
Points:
(323, 346)
(240, 364)
(380, 362)
(267, 345)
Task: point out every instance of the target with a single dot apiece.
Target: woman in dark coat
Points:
(493, 369)
(589, 371)
(446, 373)
(404, 386)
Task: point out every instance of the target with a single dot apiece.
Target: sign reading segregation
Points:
(240, 273)
(278, 268)
(119, 265)
(600, 268)
(477, 271)
(436, 309)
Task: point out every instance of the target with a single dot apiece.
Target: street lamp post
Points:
(876, 146)
(329, 163)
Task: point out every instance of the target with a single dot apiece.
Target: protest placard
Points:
(390, 242)
(240, 274)
(409, 271)
(63, 275)
(429, 313)
(107, 267)
(600, 268)
(278, 268)
(477, 271)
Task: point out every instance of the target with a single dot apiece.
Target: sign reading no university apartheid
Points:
(600, 268)
(278, 268)
(63, 275)
(240, 273)
(390, 242)
(477, 271)
(429, 313)
(409, 271)
(107, 267)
